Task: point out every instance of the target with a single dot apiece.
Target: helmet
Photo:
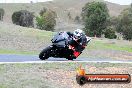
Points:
(77, 34)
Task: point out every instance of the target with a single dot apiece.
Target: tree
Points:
(124, 25)
(1, 13)
(112, 21)
(95, 16)
(46, 20)
(23, 18)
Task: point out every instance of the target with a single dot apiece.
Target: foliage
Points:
(112, 21)
(110, 33)
(42, 11)
(124, 25)
(95, 15)
(46, 20)
(1, 13)
(23, 18)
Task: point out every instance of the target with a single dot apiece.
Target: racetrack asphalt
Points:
(9, 58)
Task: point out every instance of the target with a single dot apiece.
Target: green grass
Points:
(116, 47)
(102, 44)
(2, 86)
(4, 51)
(38, 33)
(29, 35)
(93, 45)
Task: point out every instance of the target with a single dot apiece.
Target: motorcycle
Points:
(60, 48)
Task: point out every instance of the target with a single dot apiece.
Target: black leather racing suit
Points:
(79, 44)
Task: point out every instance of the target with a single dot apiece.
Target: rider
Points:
(78, 40)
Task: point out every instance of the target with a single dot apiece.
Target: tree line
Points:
(97, 21)
(95, 17)
(44, 21)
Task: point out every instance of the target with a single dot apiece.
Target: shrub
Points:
(110, 33)
(46, 20)
(23, 18)
(1, 13)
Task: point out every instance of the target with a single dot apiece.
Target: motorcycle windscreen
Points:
(60, 39)
(60, 44)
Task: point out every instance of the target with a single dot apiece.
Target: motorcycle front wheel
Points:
(44, 54)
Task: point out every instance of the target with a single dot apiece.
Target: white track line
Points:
(67, 62)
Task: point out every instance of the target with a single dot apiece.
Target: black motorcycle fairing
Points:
(60, 52)
(60, 39)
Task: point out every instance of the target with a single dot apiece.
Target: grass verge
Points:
(5, 51)
(107, 45)
(55, 75)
